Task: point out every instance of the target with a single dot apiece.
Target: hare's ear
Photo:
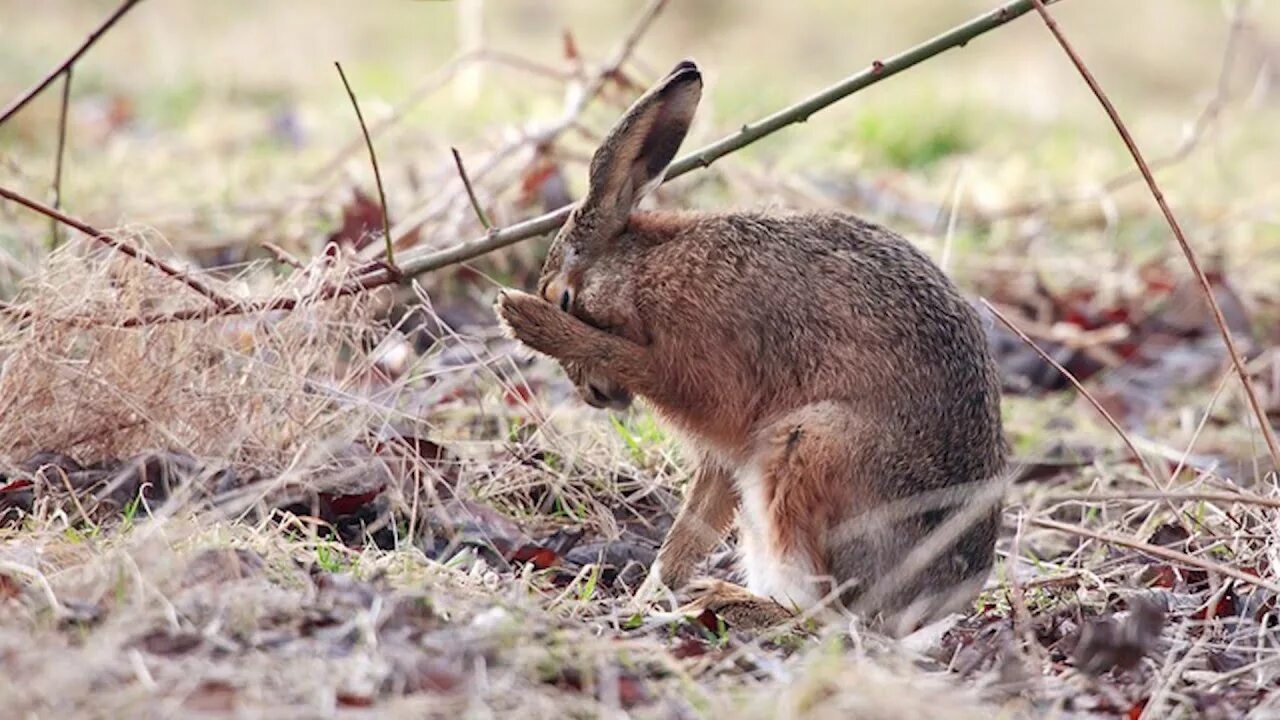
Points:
(634, 156)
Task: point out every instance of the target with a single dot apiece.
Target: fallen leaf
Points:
(1109, 642)
(361, 222)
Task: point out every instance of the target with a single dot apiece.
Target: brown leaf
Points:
(334, 505)
(543, 183)
(361, 222)
(690, 647)
(211, 696)
(541, 557)
(1111, 643)
(10, 589)
(709, 620)
(632, 691)
(352, 700)
(570, 46)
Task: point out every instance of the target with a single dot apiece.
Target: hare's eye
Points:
(566, 299)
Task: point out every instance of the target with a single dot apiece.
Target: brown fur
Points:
(822, 352)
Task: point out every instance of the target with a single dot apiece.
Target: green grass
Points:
(913, 138)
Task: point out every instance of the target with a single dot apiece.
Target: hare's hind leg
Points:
(737, 606)
(796, 493)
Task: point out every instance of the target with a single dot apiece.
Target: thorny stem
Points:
(1188, 252)
(373, 159)
(609, 71)
(419, 263)
(66, 64)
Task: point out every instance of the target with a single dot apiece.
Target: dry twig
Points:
(425, 261)
(1180, 496)
(66, 64)
(609, 71)
(1188, 252)
(1084, 392)
(1156, 551)
(471, 191)
(57, 164)
(373, 159)
(220, 301)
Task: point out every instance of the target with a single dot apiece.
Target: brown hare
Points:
(833, 384)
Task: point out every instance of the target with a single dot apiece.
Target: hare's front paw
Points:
(533, 321)
(653, 591)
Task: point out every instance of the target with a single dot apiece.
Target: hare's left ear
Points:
(634, 156)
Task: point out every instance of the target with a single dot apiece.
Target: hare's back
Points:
(847, 278)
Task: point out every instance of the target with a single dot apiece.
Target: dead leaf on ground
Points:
(1120, 642)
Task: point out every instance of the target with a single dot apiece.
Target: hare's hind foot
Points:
(734, 604)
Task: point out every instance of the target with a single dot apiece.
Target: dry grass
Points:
(100, 392)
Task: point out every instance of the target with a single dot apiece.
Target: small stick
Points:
(373, 158)
(66, 64)
(282, 256)
(57, 165)
(877, 71)
(471, 192)
(1157, 551)
(1215, 497)
(1115, 425)
(1273, 446)
(222, 302)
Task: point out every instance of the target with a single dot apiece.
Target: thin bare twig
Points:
(1189, 495)
(57, 163)
(1199, 130)
(220, 301)
(66, 64)
(283, 256)
(471, 192)
(373, 158)
(1273, 446)
(1115, 425)
(960, 35)
(434, 82)
(1186, 522)
(1157, 551)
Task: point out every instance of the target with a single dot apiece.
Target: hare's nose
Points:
(558, 293)
(609, 397)
(596, 397)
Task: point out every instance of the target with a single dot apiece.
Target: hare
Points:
(834, 386)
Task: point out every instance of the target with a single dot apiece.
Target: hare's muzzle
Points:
(604, 394)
